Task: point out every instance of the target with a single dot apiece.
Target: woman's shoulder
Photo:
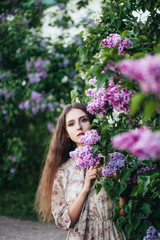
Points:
(67, 166)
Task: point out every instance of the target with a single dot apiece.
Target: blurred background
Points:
(38, 43)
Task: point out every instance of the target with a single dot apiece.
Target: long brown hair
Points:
(58, 153)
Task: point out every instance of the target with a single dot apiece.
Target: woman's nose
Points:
(78, 125)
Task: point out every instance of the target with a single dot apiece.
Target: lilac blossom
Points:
(24, 105)
(61, 6)
(114, 39)
(50, 127)
(13, 170)
(152, 234)
(36, 69)
(146, 71)
(36, 97)
(116, 163)
(91, 137)
(147, 168)
(13, 159)
(108, 99)
(34, 77)
(84, 157)
(7, 94)
(136, 141)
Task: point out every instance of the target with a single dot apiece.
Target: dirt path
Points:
(16, 229)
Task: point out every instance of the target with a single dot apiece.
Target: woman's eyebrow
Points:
(72, 120)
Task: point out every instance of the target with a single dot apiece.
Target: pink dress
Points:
(95, 221)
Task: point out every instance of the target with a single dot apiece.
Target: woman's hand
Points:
(90, 177)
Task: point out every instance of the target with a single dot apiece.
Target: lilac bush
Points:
(145, 71)
(116, 163)
(139, 142)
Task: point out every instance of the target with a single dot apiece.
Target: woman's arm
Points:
(76, 207)
(122, 201)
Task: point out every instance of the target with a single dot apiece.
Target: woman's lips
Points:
(80, 134)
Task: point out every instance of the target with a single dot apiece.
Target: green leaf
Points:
(124, 175)
(138, 55)
(145, 208)
(107, 185)
(103, 142)
(142, 37)
(118, 23)
(98, 187)
(28, 4)
(49, 3)
(123, 35)
(101, 78)
(128, 230)
(134, 220)
(128, 5)
(136, 101)
(135, 191)
(149, 110)
(73, 95)
(77, 65)
(95, 148)
(121, 220)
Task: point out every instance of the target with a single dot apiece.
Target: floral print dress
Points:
(95, 221)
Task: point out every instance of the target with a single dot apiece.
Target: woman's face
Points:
(77, 123)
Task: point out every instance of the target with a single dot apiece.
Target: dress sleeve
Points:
(59, 204)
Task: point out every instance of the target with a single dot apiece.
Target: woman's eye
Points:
(84, 119)
(71, 124)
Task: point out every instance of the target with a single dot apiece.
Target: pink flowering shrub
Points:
(114, 39)
(146, 71)
(139, 142)
(84, 154)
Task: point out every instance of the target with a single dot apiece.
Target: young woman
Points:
(66, 193)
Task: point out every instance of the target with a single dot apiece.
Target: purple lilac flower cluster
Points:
(99, 103)
(114, 39)
(152, 234)
(85, 154)
(116, 163)
(39, 66)
(36, 104)
(110, 98)
(119, 100)
(51, 127)
(12, 158)
(147, 168)
(140, 142)
(85, 157)
(141, 170)
(91, 137)
(4, 93)
(146, 71)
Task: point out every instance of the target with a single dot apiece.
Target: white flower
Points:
(97, 17)
(110, 120)
(83, 74)
(85, 35)
(116, 114)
